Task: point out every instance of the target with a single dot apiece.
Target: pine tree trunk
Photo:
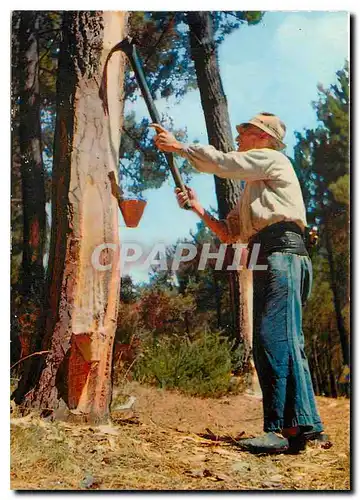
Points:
(313, 376)
(316, 366)
(16, 191)
(213, 100)
(245, 281)
(333, 386)
(82, 299)
(32, 181)
(336, 297)
(217, 298)
(214, 104)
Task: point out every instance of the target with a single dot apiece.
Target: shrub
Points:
(160, 308)
(198, 367)
(128, 323)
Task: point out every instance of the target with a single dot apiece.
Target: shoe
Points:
(298, 443)
(317, 436)
(270, 442)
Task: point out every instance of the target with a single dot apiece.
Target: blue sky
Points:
(274, 66)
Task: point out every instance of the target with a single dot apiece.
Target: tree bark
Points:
(214, 104)
(32, 169)
(83, 299)
(16, 190)
(217, 297)
(333, 386)
(336, 297)
(32, 182)
(213, 100)
(316, 367)
(313, 376)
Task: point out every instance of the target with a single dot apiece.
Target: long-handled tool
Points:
(129, 48)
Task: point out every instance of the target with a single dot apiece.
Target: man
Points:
(270, 212)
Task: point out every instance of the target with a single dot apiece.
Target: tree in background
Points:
(319, 325)
(32, 169)
(16, 212)
(210, 286)
(322, 162)
(34, 43)
(203, 44)
(82, 300)
(169, 61)
(186, 57)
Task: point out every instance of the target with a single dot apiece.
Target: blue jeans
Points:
(278, 343)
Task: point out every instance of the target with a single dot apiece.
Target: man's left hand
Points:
(165, 141)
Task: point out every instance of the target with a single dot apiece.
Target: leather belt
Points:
(285, 236)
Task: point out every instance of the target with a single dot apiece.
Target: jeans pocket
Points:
(279, 261)
(307, 279)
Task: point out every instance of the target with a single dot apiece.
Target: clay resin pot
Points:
(132, 211)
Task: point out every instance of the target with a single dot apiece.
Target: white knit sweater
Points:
(272, 192)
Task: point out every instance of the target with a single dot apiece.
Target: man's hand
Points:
(190, 196)
(165, 141)
(218, 227)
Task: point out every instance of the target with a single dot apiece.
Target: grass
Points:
(158, 447)
(41, 454)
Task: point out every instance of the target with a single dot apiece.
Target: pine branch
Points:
(53, 30)
(46, 70)
(135, 139)
(165, 30)
(49, 48)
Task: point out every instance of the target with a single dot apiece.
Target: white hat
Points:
(269, 123)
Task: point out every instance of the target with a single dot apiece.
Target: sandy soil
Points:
(164, 442)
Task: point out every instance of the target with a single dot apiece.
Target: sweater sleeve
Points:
(232, 222)
(255, 164)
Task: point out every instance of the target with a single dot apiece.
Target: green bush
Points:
(198, 367)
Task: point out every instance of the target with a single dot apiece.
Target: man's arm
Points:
(251, 165)
(218, 227)
(221, 228)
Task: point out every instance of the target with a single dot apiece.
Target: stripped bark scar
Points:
(35, 238)
(79, 369)
(83, 342)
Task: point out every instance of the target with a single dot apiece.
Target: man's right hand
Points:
(190, 196)
(218, 227)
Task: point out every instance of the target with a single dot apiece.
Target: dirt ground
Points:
(166, 442)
